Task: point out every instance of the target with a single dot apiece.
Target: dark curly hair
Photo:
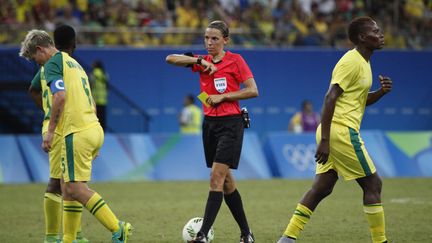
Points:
(357, 26)
(64, 37)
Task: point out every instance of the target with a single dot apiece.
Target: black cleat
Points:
(199, 238)
(249, 238)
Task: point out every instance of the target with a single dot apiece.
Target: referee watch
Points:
(199, 59)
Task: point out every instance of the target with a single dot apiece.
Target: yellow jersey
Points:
(79, 109)
(191, 117)
(354, 75)
(99, 90)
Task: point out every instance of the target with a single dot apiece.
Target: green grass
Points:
(158, 210)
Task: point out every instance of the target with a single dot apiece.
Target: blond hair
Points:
(33, 39)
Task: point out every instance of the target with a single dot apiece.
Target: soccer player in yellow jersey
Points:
(190, 118)
(73, 113)
(64, 39)
(340, 149)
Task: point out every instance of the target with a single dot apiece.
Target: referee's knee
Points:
(216, 181)
(229, 187)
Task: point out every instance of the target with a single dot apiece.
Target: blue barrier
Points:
(13, 168)
(35, 158)
(395, 154)
(411, 152)
(291, 155)
(135, 157)
(131, 157)
(284, 77)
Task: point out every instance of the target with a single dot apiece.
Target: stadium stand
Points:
(143, 23)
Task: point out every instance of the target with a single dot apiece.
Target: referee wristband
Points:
(199, 59)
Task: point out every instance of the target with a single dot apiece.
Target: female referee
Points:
(221, 73)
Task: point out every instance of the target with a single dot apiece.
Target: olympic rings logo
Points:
(301, 156)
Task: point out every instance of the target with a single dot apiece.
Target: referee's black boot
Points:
(200, 238)
(248, 238)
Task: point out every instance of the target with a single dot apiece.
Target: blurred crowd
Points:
(285, 23)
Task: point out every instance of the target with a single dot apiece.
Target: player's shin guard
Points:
(72, 211)
(53, 212)
(375, 217)
(97, 206)
(299, 219)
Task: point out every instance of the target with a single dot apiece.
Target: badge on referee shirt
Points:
(220, 84)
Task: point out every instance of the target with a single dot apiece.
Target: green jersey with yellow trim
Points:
(39, 83)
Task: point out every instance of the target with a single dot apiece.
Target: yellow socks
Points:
(375, 218)
(374, 214)
(298, 220)
(72, 211)
(53, 212)
(97, 206)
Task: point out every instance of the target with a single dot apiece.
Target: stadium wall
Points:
(285, 78)
(171, 156)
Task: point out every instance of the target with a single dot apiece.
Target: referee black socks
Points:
(235, 205)
(214, 201)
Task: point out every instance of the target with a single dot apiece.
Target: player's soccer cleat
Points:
(285, 239)
(52, 239)
(199, 238)
(80, 238)
(122, 235)
(249, 238)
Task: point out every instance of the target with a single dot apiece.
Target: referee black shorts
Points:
(223, 139)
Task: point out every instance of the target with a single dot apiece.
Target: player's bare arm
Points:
(58, 101)
(323, 149)
(250, 90)
(386, 86)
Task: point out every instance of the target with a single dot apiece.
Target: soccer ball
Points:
(192, 227)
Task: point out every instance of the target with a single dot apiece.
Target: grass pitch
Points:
(159, 210)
